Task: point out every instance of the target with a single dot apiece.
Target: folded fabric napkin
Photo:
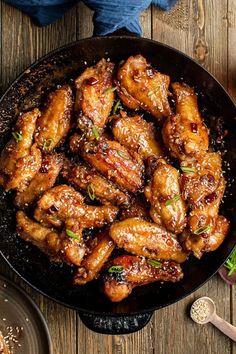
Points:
(109, 16)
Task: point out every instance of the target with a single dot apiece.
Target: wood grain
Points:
(231, 51)
(207, 32)
(202, 38)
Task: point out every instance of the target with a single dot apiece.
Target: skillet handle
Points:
(115, 324)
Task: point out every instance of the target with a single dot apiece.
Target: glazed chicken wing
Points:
(137, 134)
(142, 87)
(200, 179)
(20, 159)
(167, 206)
(72, 246)
(42, 181)
(26, 169)
(55, 121)
(199, 244)
(184, 133)
(94, 97)
(124, 273)
(58, 247)
(63, 202)
(94, 261)
(146, 239)
(115, 163)
(204, 215)
(97, 187)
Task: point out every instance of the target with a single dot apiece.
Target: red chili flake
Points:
(44, 167)
(52, 209)
(92, 81)
(207, 179)
(194, 127)
(181, 148)
(211, 197)
(205, 235)
(161, 199)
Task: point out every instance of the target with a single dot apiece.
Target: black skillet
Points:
(27, 91)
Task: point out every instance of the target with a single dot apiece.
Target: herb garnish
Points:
(116, 107)
(110, 89)
(231, 263)
(150, 93)
(188, 169)
(173, 200)
(91, 192)
(95, 133)
(72, 234)
(202, 230)
(116, 269)
(154, 263)
(47, 144)
(17, 136)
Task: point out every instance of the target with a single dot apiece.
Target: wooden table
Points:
(205, 30)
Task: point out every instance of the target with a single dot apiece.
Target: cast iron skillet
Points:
(27, 91)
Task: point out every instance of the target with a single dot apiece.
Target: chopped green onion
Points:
(154, 263)
(17, 136)
(117, 106)
(72, 234)
(110, 89)
(95, 133)
(173, 200)
(231, 263)
(90, 191)
(47, 144)
(188, 169)
(150, 93)
(116, 269)
(202, 230)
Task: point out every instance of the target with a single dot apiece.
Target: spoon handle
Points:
(224, 327)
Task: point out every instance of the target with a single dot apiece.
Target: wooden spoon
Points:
(211, 316)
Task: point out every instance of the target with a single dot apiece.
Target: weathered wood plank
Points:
(22, 44)
(146, 23)
(84, 21)
(231, 18)
(192, 28)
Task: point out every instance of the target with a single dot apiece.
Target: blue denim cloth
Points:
(109, 16)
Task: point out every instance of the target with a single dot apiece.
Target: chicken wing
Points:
(124, 273)
(202, 217)
(146, 239)
(58, 247)
(72, 246)
(167, 206)
(184, 133)
(115, 163)
(94, 261)
(76, 143)
(26, 169)
(20, 160)
(200, 179)
(63, 202)
(97, 187)
(142, 87)
(137, 134)
(199, 244)
(42, 181)
(94, 97)
(55, 121)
